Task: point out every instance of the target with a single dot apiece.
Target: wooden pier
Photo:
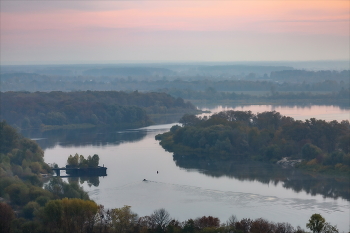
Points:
(75, 171)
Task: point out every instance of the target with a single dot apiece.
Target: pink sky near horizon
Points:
(180, 30)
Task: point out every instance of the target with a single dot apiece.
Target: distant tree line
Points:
(309, 76)
(211, 94)
(267, 136)
(287, 80)
(31, 110)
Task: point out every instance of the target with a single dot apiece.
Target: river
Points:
(190, 188)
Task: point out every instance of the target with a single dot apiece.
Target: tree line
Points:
(272, 96)
(33, 110)
(77, 215)
(283, 81)
(268, 136)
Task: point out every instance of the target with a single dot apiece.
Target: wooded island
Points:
(268, 136)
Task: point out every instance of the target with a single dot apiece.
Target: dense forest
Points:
(268, 136)
(64, 207)
(121, 109)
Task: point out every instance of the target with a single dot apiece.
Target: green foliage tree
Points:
(9, 138)
(189, 120)
(29, 209)
(189, 226)
(316, 223)
(18, 193)
(310, 151)
(93, 161)
(83, 163)
(344, 143)
(73, 160)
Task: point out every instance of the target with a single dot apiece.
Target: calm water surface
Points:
(324, 112)
(193, 188)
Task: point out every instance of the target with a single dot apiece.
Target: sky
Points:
(74, 32)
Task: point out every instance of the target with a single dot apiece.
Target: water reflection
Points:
(166, 118)
(82, 137)
(90, 180)
(331, 187)
(306, 106)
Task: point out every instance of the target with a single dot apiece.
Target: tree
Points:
(123, 219)
(70, 215)
(83, 163)
(93, 161)
(78, 215)
(316, 223)
(328, 228)
(244, 225)
(189, 120)
(52, 214)
(209, 221)
(6, 217)
(8, 138)
(73, 160)
(261, 225)
(284, 228)
(160, 219)
(231, 221)
(310, 151)
(188, 226)
(344, 143)
(30, 208)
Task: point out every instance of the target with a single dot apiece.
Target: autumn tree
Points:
(70, 215)
(123, 219)
(205, 222)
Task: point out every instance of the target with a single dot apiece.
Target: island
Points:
(320, 146)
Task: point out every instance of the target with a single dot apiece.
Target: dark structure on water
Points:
(76, 171)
